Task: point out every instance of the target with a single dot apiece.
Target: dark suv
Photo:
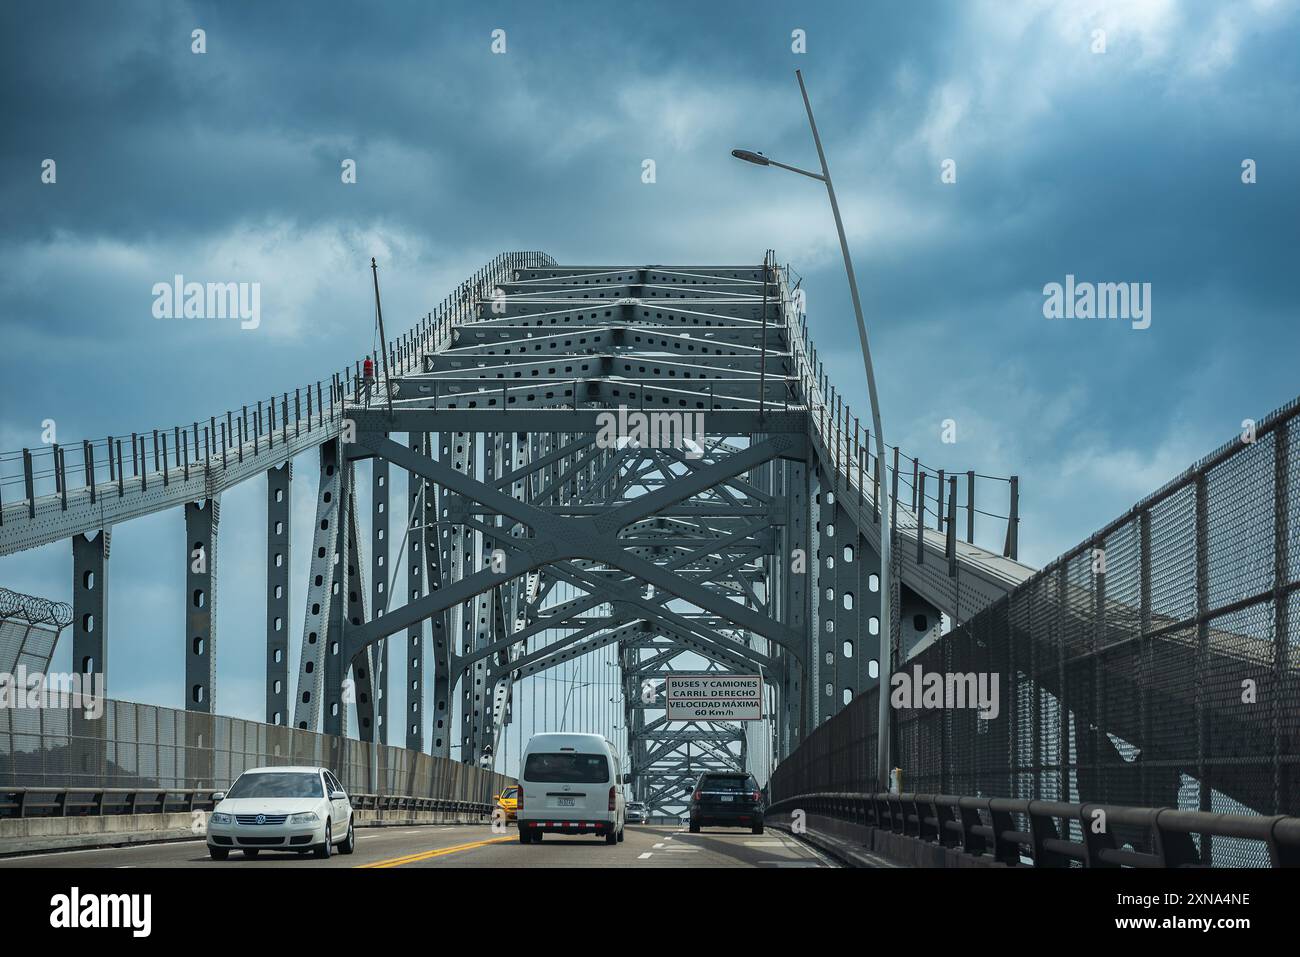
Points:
(726, 800)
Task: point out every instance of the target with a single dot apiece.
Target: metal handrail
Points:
(986, 828)
(216, 441)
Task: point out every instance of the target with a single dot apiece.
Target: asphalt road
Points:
(645, 846)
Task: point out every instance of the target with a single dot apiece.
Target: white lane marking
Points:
(659, 847)
(766, 844)
(683, 850)
(642, 857)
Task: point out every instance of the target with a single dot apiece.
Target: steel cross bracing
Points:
(712, 554)
(534, 533)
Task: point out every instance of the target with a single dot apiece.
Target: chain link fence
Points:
(144, 746)
(1156, 664)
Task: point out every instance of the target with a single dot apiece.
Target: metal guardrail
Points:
(101, 802)
(1039, 833)
(55, 478)
(389, 802)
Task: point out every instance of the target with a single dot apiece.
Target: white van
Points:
(570, 784)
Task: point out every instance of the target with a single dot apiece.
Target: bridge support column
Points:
(201, 521)
(320, 583)
(89, 588)
(334, 706)
(359, 687)
(379, 597)
(437, 543)
(278, 539)
(418, 491)
(798, 561)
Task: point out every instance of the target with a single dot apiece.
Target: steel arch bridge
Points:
(660, 445)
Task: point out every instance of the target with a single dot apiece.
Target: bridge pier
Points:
(422, 509)
(320, 583)
(335, 664)
(278, 552)
(201, 523)
(89, 604)
(379, 597)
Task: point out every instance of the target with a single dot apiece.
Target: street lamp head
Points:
(758, 159)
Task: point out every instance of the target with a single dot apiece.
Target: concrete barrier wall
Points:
(858, 845)
(31, 835)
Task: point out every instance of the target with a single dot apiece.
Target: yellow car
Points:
(508, 801)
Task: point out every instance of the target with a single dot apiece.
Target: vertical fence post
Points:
(939, 513)
(893, 498)
(950, 544)
(1281, 607)
(1012, 548)
(920, 521)
(60, 477)
(1146, 653)
(970, 506)
(1202, 652)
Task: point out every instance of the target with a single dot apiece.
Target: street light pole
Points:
(884, 668)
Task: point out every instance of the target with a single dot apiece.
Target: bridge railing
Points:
(146, 749)
(1152, 665)
(118, 464)
(924, 495)
(102, 802)
(1051, 833)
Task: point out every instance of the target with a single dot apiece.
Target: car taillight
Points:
(519, 800)
(757, 797)
(695, 796)
(612, 805)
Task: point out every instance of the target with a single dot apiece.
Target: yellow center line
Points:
(439, 852)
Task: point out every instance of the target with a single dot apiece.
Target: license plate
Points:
(728, 797)
(566, 802)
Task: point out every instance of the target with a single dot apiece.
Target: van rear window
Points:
(567, 768)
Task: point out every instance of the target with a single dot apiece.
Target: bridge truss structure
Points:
(648, 459)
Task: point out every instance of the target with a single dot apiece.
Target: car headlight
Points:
(306, 817)
(219, 818)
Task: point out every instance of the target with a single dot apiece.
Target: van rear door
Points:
(569, 784)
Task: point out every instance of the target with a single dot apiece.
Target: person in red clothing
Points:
(368, 377)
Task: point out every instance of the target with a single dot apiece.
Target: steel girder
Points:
(639, 530)
(278, 554)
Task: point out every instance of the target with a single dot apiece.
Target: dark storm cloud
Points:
(1123, 166)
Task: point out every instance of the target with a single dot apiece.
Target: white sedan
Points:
(282, 809)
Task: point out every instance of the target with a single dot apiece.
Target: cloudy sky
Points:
(1115, 166)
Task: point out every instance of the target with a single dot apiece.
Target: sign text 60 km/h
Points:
(714, 697)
